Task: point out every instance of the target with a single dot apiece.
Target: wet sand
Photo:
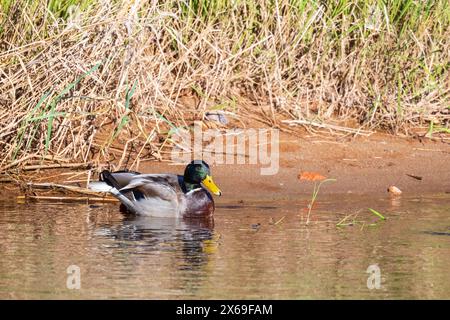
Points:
(363, 165)
(366, 165)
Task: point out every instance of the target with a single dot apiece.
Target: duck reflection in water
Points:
(191, 241)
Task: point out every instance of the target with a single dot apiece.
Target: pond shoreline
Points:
(366, 165)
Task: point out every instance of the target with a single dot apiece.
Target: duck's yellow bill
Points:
(211, 186)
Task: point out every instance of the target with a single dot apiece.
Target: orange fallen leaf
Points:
(310, 176)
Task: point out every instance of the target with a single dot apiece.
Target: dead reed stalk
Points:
(106, 81)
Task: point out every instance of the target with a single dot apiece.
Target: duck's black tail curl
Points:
(108, 178)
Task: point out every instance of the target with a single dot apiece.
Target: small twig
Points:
(343, 220)
(63, 187)
(49, 198)
(414, 176)
(279, 221)
(432, 150)
(24, 159)
(57, 166)
(329, 126)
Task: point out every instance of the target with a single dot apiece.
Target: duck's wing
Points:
(150, 185)
(145, 194)
(163, 186)
(153, 195)
(118, 179)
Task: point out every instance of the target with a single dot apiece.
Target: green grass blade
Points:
(125, 118)
(26, 122)
(51, 114)
(375, 212)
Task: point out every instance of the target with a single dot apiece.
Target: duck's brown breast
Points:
(199, 204)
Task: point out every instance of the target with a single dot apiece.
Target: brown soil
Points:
(365, 165)
(361, 166)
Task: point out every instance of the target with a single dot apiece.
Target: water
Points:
(242, 254)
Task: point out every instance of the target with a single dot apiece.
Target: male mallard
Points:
(163, 195)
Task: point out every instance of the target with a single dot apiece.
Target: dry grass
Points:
(106, 82)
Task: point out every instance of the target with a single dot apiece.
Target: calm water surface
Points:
(242, 254)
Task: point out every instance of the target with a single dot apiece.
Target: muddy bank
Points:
(366, 165)
(361, 166)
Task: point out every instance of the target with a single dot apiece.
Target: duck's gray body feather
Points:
(158, 195)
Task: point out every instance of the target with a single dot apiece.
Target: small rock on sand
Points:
(216, 117)
(394, 191)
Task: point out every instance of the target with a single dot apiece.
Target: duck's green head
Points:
(197, 172)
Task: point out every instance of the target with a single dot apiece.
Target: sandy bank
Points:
(366, 165)
(361, 166)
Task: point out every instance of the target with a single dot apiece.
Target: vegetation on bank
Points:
(84, 80)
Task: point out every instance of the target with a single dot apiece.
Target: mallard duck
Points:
(163, 195)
